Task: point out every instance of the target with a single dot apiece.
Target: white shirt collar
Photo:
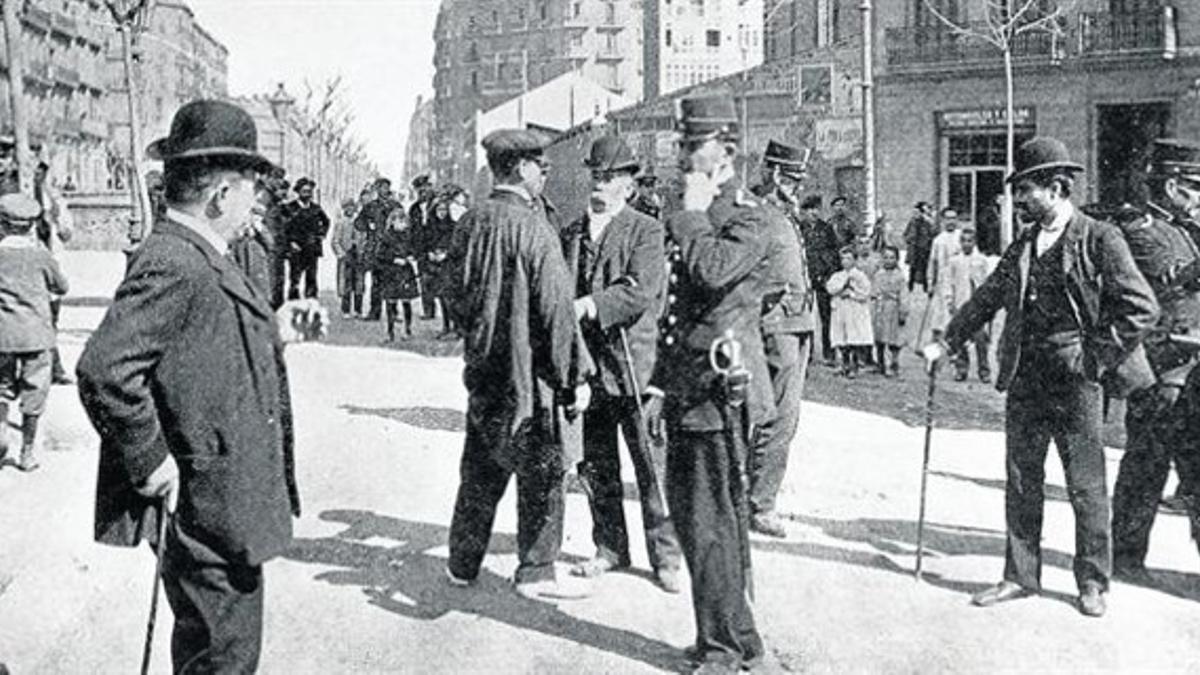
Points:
(199, 227)
(1050, 233)
(515, 189)
(598, 222)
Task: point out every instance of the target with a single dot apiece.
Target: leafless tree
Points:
(1002, 24)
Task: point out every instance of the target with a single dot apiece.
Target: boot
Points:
(28, 435)
(3, 432)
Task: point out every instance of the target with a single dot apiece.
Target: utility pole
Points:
(868, 115)
(129, 16)
(16, 88)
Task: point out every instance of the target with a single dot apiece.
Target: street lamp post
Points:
(130, 16)
(16, 90)
(868, 115)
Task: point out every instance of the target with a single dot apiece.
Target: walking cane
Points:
(925, 467)
(924, 322)
(163, 518)
(643, 432)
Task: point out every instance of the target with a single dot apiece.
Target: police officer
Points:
(787, 326)
(372, 223)
(646, 199)
(1157, 418)
(716, 291)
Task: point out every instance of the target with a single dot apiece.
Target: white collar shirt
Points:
(199, 227)
(1048, 235)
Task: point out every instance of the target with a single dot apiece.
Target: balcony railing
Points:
(919, 46)
(1102, 33)
(38, 17)
(66, 76)
(67, 25)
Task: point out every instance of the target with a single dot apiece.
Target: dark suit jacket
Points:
(188, 362)
(628, 284)
(1115, 304)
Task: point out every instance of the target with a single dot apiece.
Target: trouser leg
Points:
(649, 464)
(218, 608)
(482, 484)
(1140, 480)
(700, 475)
(540, 503)
(1078, 436)
(1027, 441)
(825, 310)
(601, 470)
(278, 276)
(295, 272)
(375, 302)
(983, 341)
(408, 316)
(428, 306)
(390, 312)
(311, 261)
(57, 373)
(787, 361)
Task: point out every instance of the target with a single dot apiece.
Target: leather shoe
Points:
(668, 579)
(1001, 592)
(1091, 600)
(769, 524)
(594, 567)
(550, 590)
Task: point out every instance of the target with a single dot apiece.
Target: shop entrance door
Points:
(975, 176)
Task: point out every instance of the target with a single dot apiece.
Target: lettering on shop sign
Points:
(838, 138)
(985, 118)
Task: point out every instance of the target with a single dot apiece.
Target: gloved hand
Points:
(652, 405)
(934, 352)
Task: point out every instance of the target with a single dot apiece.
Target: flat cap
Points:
(19, 207)
(515, 141)
(421, 181)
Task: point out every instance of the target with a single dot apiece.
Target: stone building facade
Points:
(692, 41)
(418, 145)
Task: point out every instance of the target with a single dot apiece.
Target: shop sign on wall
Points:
(839, 137)
(975, 119)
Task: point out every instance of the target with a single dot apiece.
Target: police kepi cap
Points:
(1042, 153)
(610, 153)
(704, 117)
(789, 158)
(1174, 157)
(515, 142)
(216, 129)
(18, 208)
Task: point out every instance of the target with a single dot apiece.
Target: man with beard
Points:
(1076, 311)
(513, 300)
(307, 225)
(821, 250)
(1161, 420)
(715, 298)
(616, 255)
(787, 327)
(372, 223)
(646, 198)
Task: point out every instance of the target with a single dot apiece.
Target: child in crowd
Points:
(850, 322)
(965, 272)
(888, 311)
(868, 259)
(29, 276)
(397, 271)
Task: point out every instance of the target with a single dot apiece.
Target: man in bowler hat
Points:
(1161, 421)
(512, 297)
(1076, 309)
(788, 321)
(716, 288)
(183, 381)
(616, 256)
(306, 225)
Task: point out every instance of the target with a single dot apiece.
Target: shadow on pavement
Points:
(407, 580)
(1055, 492)
(422, 417)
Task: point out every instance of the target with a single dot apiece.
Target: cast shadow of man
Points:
(899, 538)
(409, 581)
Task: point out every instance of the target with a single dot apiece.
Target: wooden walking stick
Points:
(164, 517)
(925, 466)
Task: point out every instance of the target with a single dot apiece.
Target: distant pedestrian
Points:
(306, 227)
(821, 250)
(397, 271)
(29, 278)
(847, 228)
(372, 223)
(918, 236)
(420, 221)
(55, 228)
(945, 245)
(886, 233)
(889, 312)
(850, 325)
(345, 245)
(965, 272)
(452, 206)
(867, 258)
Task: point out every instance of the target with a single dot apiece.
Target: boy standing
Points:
(28, 278)
(966, 271)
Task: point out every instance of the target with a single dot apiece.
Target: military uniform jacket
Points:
(1162, 249)
(512, 295)
(188, 362)
(624, 274)
(1114, 304)
(717, 287)
(789, 296)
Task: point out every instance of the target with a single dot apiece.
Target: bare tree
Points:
(1003, 24)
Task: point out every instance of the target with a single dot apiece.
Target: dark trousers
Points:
(787, 362)
(1067, 409)
(57, 372)
(702, 478)
(601, 469)
(350, 284)
(278, 275)
(539, 508)
(428, 300)
(302, 263)
(1154, 438)
(825, 310)
(962, 358)
(375, 298)
(218, 608)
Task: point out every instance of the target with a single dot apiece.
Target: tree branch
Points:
(958, 29)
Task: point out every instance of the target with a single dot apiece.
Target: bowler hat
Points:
(705, 117)
(789, 158)
(18, 208)
(208, 128)
(610, 153)
(1174, 157)
(1042, 153)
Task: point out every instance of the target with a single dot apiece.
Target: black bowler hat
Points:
(789, 158)
(610, 153)
(1174, 157)
(216, 129)
(1042, 154)
(705, 117)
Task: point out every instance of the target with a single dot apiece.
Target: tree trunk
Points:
(14, 41)
(1007, 231)
(139, 222)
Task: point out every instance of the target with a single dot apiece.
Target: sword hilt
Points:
(725, 358)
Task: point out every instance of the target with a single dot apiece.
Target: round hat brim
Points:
(634, 167)
(158, 150)
(1068, 166)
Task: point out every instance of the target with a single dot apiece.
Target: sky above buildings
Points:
(382, 48)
